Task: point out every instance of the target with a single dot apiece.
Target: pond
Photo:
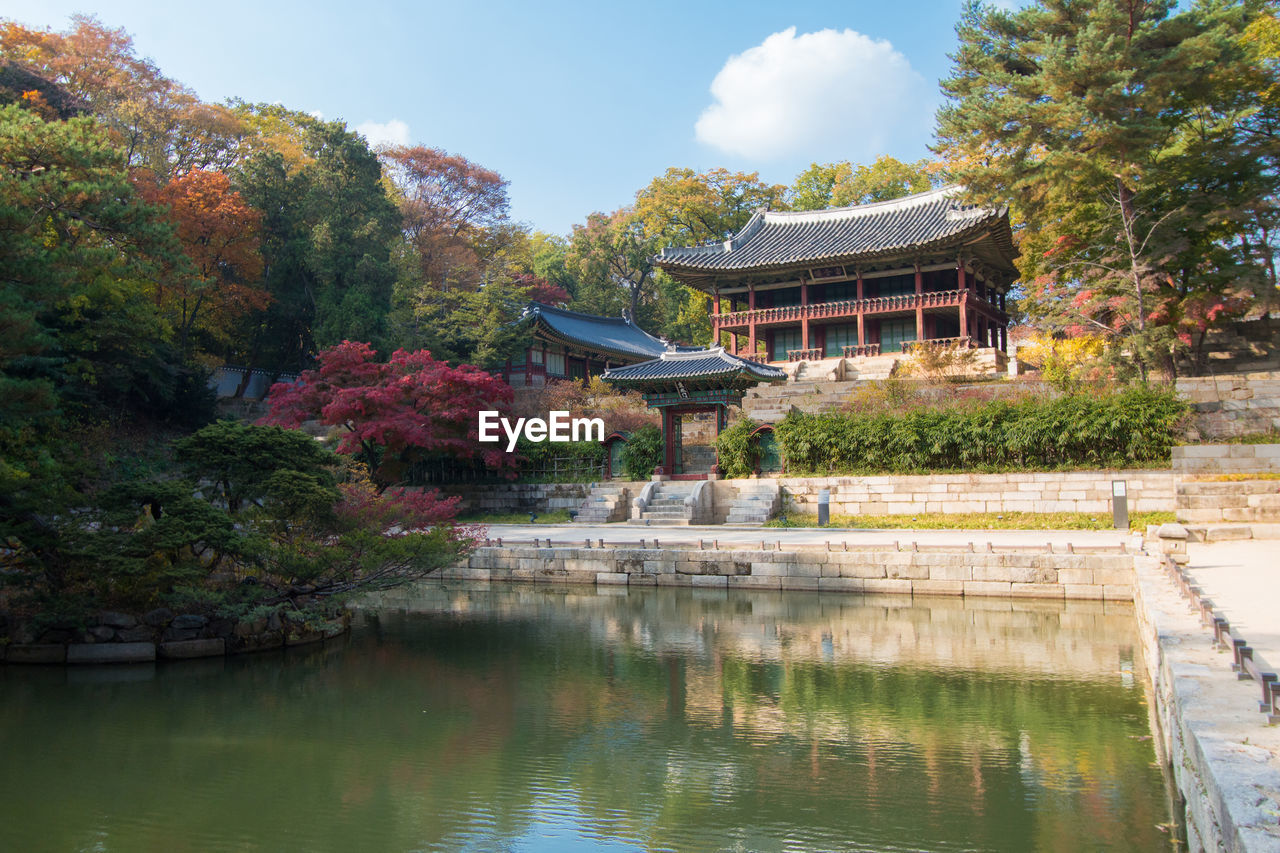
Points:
(533, 718)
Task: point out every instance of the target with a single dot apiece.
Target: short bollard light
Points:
(1119, 505)
(824, 507)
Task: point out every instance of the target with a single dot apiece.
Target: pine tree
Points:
(1137, 154)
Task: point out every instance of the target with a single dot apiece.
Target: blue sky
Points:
(577, 104)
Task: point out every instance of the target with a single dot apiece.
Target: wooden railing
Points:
(861, 350)
(811, 354)
(758, 358)
(965, 342)
(845, 308)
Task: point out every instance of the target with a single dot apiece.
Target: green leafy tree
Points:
(842, 184)
(327, 233)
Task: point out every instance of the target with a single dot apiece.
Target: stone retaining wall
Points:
(1233, 405)
(1068, 491)
(1208, 459)
(1107, 577)
(519, 497)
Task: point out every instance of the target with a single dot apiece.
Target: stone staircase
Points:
(666, 504)
(1217, 503)
(756, 503)
(607, 502)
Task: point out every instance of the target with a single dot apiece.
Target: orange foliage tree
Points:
(219, 236)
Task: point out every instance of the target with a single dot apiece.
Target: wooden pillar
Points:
(862, 335)
(751, 321)
(668, 442)
(964, 314)
(961, 280)
(919, 304)
(715, 303)
(1004, 338)
(804, 316)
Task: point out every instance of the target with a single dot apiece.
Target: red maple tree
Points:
(396, 412)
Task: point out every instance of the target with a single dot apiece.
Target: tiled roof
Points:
(713, 363)
(612, 335)
(781, 238)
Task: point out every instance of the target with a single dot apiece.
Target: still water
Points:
(539, 719)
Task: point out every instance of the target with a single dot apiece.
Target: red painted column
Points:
(964, 315)
(862, 335)
(751, 321)
(919, 304)
(804, 316)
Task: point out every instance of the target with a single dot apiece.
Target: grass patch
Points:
(1236, 478)
(559, 516)
(979, 521)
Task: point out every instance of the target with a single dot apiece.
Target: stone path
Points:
(1243, 579)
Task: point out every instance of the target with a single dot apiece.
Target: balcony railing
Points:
(941, 343)
(758, 358)
(811, 354)
(861, 350)
(845, 308)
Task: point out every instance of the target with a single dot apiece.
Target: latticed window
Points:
(555, 363)
(839, 337)
(894, 332)
(785, 340)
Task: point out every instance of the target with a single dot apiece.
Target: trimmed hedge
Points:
(1113, 430)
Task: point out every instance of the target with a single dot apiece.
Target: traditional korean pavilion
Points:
(571, 345)
(856, 281)
(689, 381)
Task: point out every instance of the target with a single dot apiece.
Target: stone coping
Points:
(1222, 754)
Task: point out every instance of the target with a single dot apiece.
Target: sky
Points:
(579, 105)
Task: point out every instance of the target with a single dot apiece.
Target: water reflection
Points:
(534, 718)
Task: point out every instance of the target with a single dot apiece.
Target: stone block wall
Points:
(1105, 577)
(1067, 491)
(1238, 404)
(519, 497)
(1209, 459)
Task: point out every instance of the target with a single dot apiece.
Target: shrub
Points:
(642, 453)
(738, 453)
(1135, 426)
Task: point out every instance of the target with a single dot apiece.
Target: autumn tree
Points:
(219, 235)
(450, 210)
(684, 208)
(1137, 155)
(398, 412)
(159, 123)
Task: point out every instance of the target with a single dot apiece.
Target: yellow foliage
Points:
(1065, 362)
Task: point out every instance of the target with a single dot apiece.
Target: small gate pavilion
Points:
(687, 382)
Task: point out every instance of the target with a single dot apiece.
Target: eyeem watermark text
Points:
(558, 427)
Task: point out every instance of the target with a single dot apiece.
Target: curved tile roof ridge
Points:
(535, 307)
(794, 217)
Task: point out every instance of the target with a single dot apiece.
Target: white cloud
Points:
(824, 95)
(394, 132)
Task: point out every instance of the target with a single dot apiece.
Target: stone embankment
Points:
(1050, 491)
(1104, 574)
(1212, 728)
(159, 634)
